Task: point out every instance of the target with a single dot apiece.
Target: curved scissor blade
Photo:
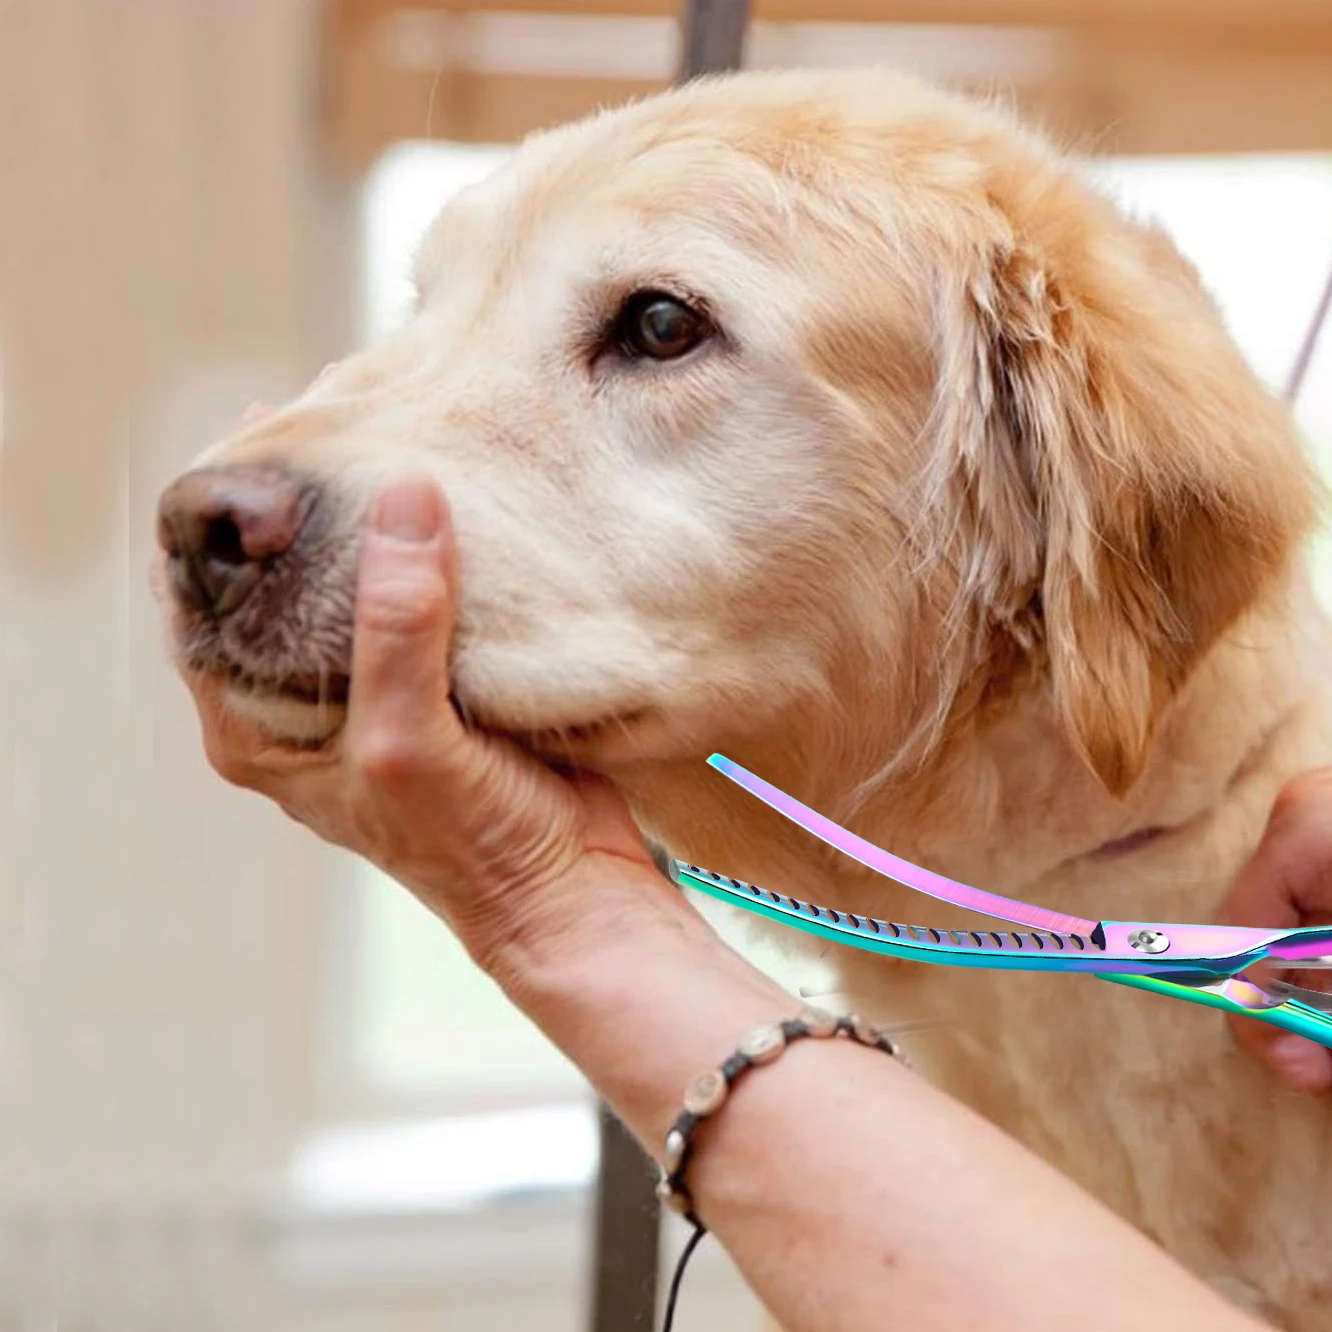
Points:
(1039, 950)
(894, 867)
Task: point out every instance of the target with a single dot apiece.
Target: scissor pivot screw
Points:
(1149, 941)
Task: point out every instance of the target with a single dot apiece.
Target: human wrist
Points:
(537, 939)
(643, 1001)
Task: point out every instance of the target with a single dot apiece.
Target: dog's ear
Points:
(1120, 484)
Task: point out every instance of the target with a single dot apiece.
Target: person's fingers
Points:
(226, 749)
(308, 786)
(1286, 883)
(239, 750)
(1289, 878)
(1303, 1064)
(404, 623)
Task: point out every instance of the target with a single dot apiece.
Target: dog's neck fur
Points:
(1009, 805)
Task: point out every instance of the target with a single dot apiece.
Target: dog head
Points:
(795, 394)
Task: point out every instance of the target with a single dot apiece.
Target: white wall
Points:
(163, 241)
(169, 250)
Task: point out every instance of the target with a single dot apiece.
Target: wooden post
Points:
(714, 36)
(627, 1242)
(628, 1232)
(627, 1245)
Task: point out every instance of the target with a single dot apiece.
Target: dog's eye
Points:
(659, 327)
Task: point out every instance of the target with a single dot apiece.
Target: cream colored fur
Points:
(974, 532)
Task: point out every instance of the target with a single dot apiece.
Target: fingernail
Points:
(409, 511)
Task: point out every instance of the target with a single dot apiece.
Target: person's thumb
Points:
(404, 618)
(1287, 883)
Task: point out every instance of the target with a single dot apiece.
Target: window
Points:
(431, 1031)
(1260, 231)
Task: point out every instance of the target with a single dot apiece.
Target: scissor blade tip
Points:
(719, 761)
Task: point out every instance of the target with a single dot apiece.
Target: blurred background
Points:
(244, 1083)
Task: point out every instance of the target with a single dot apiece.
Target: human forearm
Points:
(852, 1195)
(779, 1175)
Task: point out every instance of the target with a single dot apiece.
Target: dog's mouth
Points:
(331, 690)
(320, 689)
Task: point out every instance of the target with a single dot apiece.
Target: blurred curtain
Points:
(167, 252)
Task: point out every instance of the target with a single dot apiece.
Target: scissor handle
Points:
(1235, 995)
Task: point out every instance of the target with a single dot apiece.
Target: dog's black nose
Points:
(221, 527)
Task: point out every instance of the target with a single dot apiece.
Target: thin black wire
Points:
(686, 1253)
(714, 39)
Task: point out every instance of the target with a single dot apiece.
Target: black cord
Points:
(686, 1253)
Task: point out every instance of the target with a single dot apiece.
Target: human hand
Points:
(498, 843)
(1288, 882)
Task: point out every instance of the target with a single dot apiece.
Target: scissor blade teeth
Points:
(991, 941)
(1303, 964)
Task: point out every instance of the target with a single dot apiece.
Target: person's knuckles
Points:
(409, 612)
(401, 597)
(388, 758)
(1305, 803)
(1300, 1063)
(1302, 848)
(1289, 876)
(1262, 1044)
(292, 763)
(231, 763)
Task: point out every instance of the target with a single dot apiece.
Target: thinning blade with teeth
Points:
(1035, 950)
(1201, 964)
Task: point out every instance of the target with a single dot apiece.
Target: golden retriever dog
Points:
(834, 422)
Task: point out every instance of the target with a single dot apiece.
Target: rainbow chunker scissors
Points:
(1203, 964)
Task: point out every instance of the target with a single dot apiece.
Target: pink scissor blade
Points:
(894, 867)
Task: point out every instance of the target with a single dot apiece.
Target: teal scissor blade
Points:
(1304, 1016)
(1001, 950)
(1305, 1012)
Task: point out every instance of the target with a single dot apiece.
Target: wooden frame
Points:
(1070, 13)
(1130, 76)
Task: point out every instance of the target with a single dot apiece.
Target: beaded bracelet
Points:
(709, 1091)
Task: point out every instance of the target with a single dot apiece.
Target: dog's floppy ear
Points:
(1120, 485)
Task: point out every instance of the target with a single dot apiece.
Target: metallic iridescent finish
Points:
(1199, 963)
(922, 880)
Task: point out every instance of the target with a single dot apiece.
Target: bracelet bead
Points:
(865, 1032)
(673, 1153)
(709, 1091)
(764, 1044)
(706, 1093)
(818, 1022)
